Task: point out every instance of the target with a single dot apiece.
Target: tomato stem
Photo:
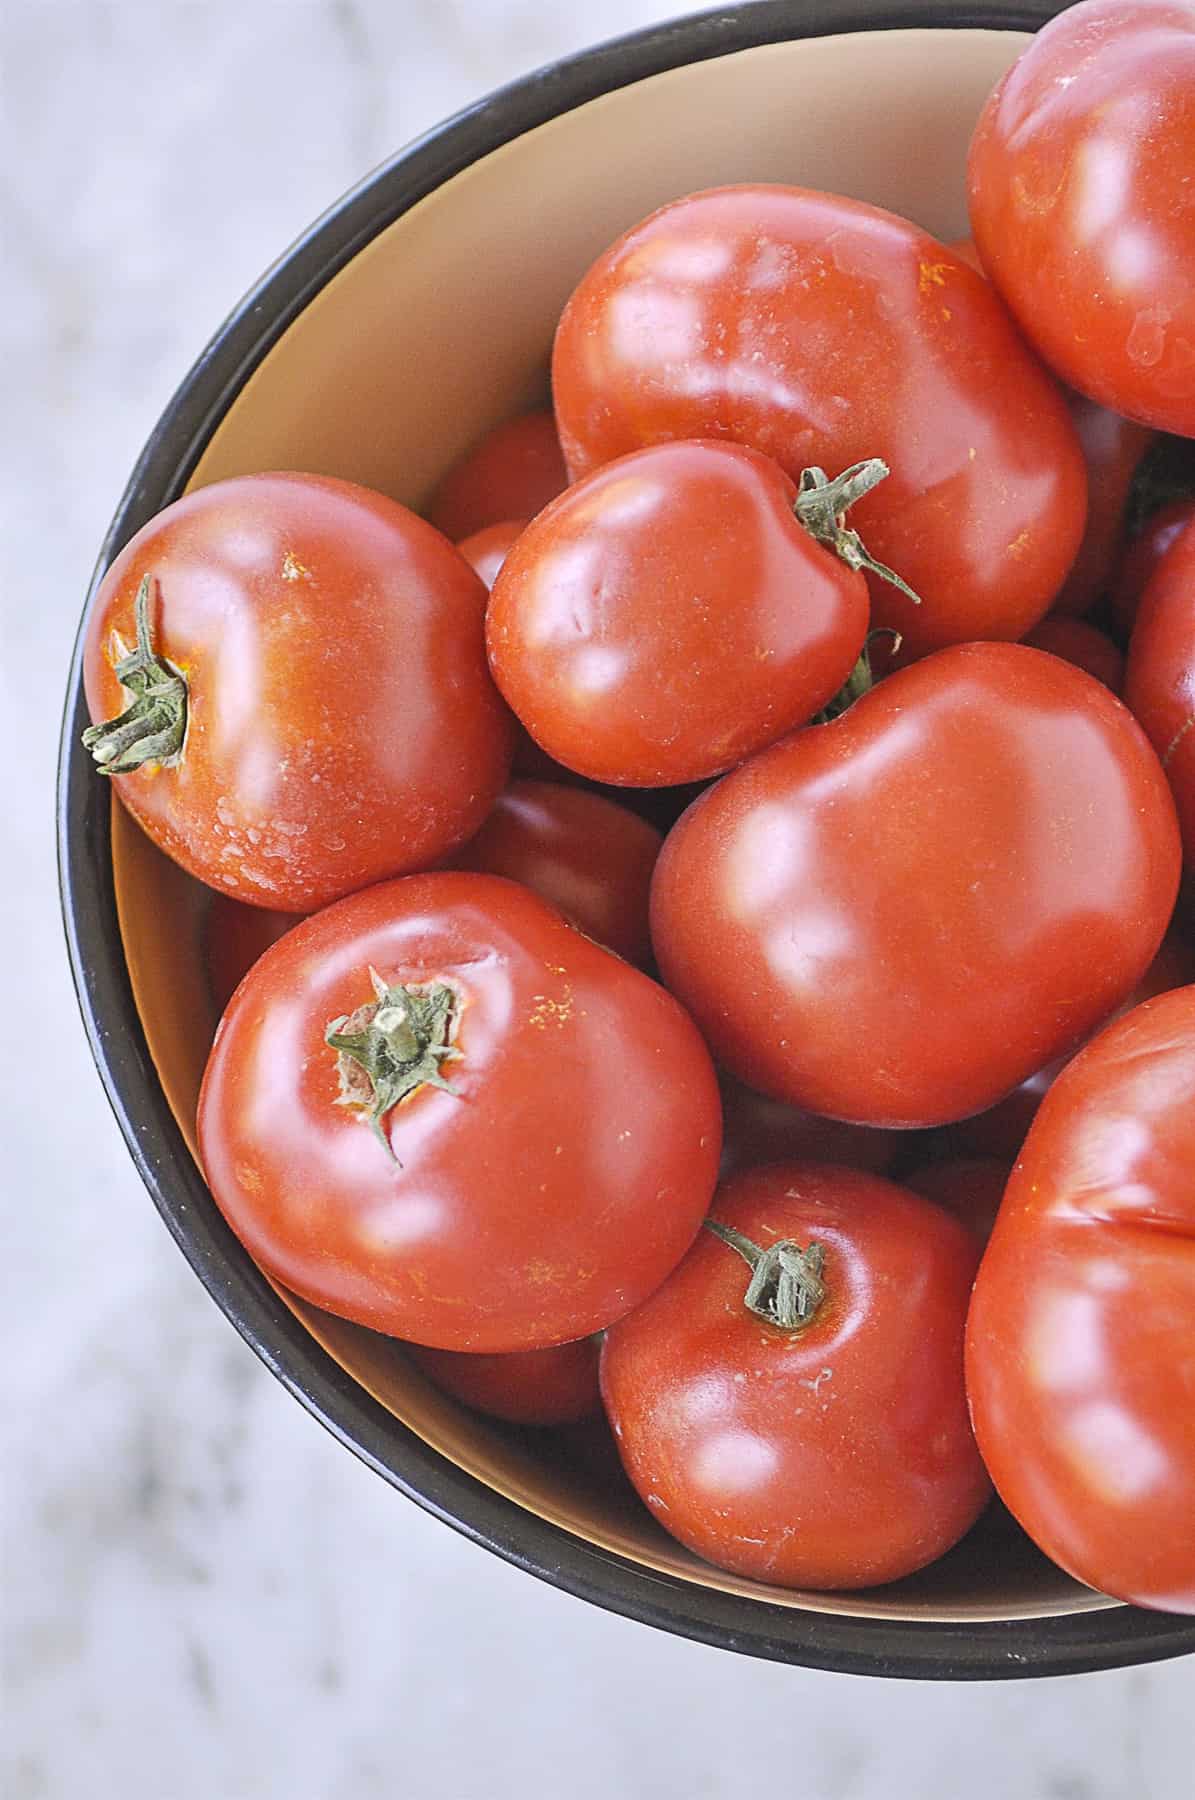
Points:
(152, 727)
(786, 1286)
(861, 678)
(388, 1049)
(822, 506)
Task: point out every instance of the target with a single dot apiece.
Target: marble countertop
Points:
(203, 1594)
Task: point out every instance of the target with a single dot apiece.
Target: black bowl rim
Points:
(961, 1651)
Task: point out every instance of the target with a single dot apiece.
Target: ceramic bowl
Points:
(415, 313)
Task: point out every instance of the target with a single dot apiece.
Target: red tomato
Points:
(822, 331)
(830, 1454)
(1160, 679)
(1113, 448)
(1002, 1130)
(1080, 175)
(1142, 558)
(312, 710)
(896, 917)
(965, 247)
(670, 614)
(756, 1129)
(1081, 1337)
(588, 856)
(970, 1187)
(1082, 644)
(511, 474)
(485, 551)
(234, 936)
(556, 1386)
(553, 1185)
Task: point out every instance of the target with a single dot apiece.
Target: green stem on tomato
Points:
(153, 725)
(385, 1050)
(861, 678)
(822, 506)
(786, 1286)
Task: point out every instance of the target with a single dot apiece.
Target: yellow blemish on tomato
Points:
(293, 569)
(1019, 544)
(930, 276)
(249, 1178)
(947, 314)
(552, 1012)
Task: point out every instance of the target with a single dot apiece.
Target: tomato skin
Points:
(822, 331)
(553, 1191)
(587, 856)
(1079, 205)
(485, 551)
(234, 936)
(756, 1129)
(301, 778)
(1085, 1411)
(1002, 1130)
(1160, 678)
(556, 1386)
(1113, 448)
(1143, 558)
(668, 615)
(511, 473)
(1084, 645)
(960, 877)
(965, 247)
(837, 1457)
(970, 1187)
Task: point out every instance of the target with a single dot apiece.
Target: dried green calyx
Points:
(822, 506)
(786, 1286)
(153, 725)
(390, 1047)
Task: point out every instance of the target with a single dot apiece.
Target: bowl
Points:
(415, 313)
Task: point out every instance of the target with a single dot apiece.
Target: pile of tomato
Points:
(687, 1072)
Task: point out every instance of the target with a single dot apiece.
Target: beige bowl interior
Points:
(439, 328)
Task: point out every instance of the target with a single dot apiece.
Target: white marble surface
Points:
(203, 1596)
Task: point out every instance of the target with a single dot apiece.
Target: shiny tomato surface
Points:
(556, 1386)
(897, 917)
(511, 473)
(591, 858)
(834, 1456)
(1112, 449)
(1002, 1130)
(340, 721)
(485, 551)
(1082, 644)
(1080, 192)
(553, 1188)
(669, 615)
(823, 331)
(1081, 1336)
(1160, 678)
